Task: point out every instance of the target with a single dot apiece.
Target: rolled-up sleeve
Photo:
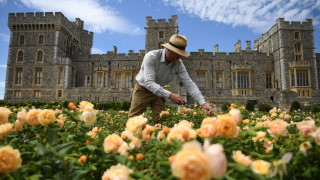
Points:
(190, 86)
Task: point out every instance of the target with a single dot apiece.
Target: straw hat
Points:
(178, 44)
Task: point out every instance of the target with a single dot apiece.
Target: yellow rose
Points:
(3, 117)
(47, 117)
(22, 116)
(226, 126)
(89, 116)
(5, 129)
(191, 163)
(260, 167)
(17, 126)
(306, 127)
(118, 171)
(32, 116)
(259, 137)
(135, 124)
(10, 159)
(84, 105)
(317, 136)
(112, 143)
(240, 158)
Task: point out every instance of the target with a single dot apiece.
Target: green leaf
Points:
(52, 136)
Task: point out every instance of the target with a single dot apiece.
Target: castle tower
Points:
(159, 31)
(42, 46)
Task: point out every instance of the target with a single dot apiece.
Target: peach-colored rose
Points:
(33, 117)
(84, 105)
(240, 158)
(273, 110)
(117, 172)
(5, 129)
(17, 126)
(135, 124)
(246, 121)
(226, 126)
(46, 117)
(161, 136)
(6, 110)
(60, 123)
(236, 115)
(306, 127)
(259, 137)
(316, 136)
(3, 117)
(260, 167)
(148, 133)
(114, 144)
(89, 116)
(10, 159)
(217, 160)
(182, 131)
(208, 128)
(22, 116)
(304, 147)
(191, 163)
(278, 128)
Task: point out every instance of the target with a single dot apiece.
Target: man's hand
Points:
(208, 108)
(176, 98)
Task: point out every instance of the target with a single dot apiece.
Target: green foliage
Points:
(225, 107)
(250, 106)
(295, 105)
(314, 108)
(264, 107)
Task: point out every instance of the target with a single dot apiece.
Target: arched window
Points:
(39, 56)
(40, 40)
(21, 40)
(20, 56)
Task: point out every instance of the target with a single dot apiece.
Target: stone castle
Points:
(50, 59)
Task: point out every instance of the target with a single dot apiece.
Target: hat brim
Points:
(176, 50)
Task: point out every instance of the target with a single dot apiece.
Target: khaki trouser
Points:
(141, 98)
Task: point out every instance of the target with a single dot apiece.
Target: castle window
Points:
(60, 76)
(160, 34)
(20, 56)
(241, 79)
(269, 77)
(298, 52)
(18, 75)
(118, 80)
(88, 81)
(79, 98)
(38, 76)
(21, 40)
(297, 35)
(17, 93)
(37, 94)
(40, 40)
(219, 79)
(39, 56)
(59, 93)
(300, 77)
(128, 80)
(201, 77)
(99, 79)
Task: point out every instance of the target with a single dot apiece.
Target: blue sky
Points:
(205, 22)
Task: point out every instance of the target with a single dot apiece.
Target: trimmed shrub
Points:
(264, 107)
(225, 107)
(250, 106)
(295, 105)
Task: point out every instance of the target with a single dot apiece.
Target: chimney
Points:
(237, 46)
(216, 48)
(248, 46)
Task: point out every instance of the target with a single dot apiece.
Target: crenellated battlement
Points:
(161, 22)
(303, 25)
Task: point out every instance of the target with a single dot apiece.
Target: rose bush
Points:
(80, 142)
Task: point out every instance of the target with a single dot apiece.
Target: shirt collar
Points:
(163, 59)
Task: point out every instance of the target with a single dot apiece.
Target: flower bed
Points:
(80, 142)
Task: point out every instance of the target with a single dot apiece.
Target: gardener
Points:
(157, 69)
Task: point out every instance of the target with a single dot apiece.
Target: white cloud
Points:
(3, 2)
(97, 17)
(2, 84)
(4, 37)
(255, 14)
(97, 51)
(3, 66)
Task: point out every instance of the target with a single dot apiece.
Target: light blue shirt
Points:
(155, 73)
